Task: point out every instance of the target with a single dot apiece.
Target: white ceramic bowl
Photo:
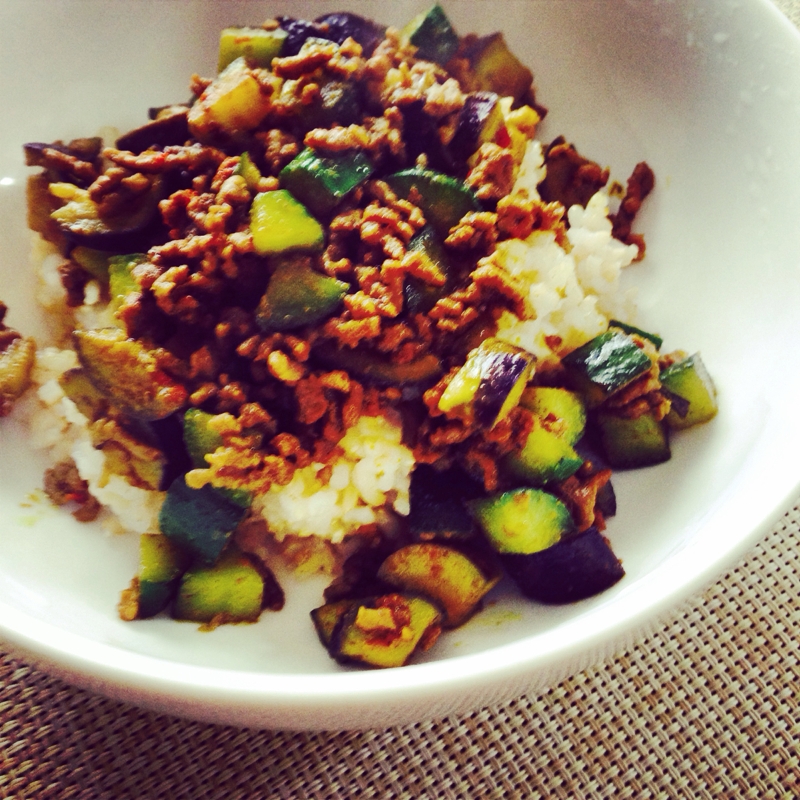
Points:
(708, 93)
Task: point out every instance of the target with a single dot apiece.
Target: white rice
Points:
(571, 293)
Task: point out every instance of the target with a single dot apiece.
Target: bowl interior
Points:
(708, 94)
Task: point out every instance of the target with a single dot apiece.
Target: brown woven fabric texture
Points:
(707, 707)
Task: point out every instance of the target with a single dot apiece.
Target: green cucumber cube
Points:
(433, 35)
(280, 223)
(632, 443)
(690, 380)
(256, 45)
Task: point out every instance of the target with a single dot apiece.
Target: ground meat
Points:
(571, 179)
(492, 177)
(63, 484)
(640, 184)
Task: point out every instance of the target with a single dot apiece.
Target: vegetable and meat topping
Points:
(323, 235)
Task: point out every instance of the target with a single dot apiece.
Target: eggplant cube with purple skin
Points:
(491, 381)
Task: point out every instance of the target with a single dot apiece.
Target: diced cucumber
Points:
(420, 297)
(339, 103)
(321, 182)
(443, 574)
(248, 170)
(256, 45)
(522, 520)
(298, 295)
(199, 520)
(689, 379)
(161, 564)
(573, 569)
(604, 365)
(631, 443)
(443, 200)
(386, 631)
(563, 412)
(232, 590)
(280, 223)
(199, 439)
(545, 457)
(625, 328)
(433, 35)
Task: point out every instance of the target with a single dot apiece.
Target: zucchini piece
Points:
(127, 374)
(378, 369)
(604, 365)
(257, 46)
(199, 439)
(121, 282)
(298, 295)
(479, 121)
(625, 328)
(95, 262)
(16, 366)
(561, 411)
(280, 223)
(545, 457)
(386, 631)
(89, 400)
(443, 200)
(232, 104)
(522, 520)
(496, 69)
(491, 381)
(420, 297)
(689, 379)
(443, 574)
(632, 443)
(339, 103)
(573, 569)
(436, 504)
(161, 564)
(248, 170)
(326, 617)
(199, 520)
(321, 182)
(433, 35)
(235, 589)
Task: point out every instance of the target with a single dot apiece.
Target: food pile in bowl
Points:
(344, 311)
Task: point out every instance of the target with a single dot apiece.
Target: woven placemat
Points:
(706, 707)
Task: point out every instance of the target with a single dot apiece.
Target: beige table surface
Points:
(706, 707)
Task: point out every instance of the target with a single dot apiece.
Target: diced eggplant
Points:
(604, 365)
(378, 369)
(161, 564)
(321, 182)
(497, 69)
(358, 577)
(280, 223)
(341, 25)
(689, 380)
(47, 155)
(128, 374)
(448, 577)
(80, 221)
(232, 104)
(298, 295)
(169, 129)
(632, 329)
(297, 32)
(561, 411)
(573, 569)
(199, 520)
(437, 508)
(131, 452)
(545, 457)
(432, 34)
(571, 179)
(95, 262)
(478, 122)
(421, 135)
(491, 381)
(633, 443)
(443, 200)
(257, 46)
(522, 520)
(386, 631)
(235, 589)
(419, 297)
